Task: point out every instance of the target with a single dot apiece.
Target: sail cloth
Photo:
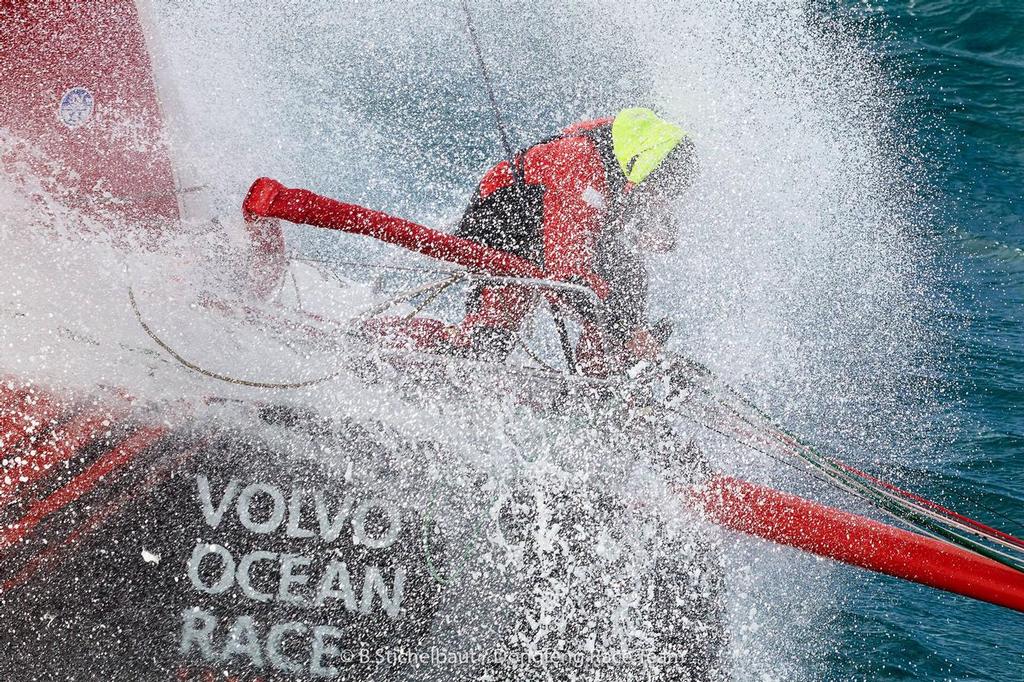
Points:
(81, 109)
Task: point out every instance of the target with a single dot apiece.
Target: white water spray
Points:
(795, 276)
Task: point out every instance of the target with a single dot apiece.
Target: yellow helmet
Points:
(641, 141)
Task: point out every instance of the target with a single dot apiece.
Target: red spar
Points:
(270, 199)
(859, 541)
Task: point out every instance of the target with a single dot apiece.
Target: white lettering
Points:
(275, 641)
(245, 578)
(330, 530)
(227, 571)
(244, 508)
(373, 583)
(337, 573)
(288, 563)
(293, 530)
(243, 641)
(213, 516)
(197, 631)
(359, 525)
(321, 648)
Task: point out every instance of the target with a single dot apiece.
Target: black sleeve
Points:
(625, 309)
(626, 305)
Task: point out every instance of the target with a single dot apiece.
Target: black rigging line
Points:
(498, 120)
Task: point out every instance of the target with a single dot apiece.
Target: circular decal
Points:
(75, 107)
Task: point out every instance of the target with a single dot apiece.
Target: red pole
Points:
(270, 199)
(859, 541)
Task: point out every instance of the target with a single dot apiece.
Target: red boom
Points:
(859, 541)
(270, 199)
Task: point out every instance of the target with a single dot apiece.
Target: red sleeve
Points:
(573, 175)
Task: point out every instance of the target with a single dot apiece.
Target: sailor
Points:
(581, 208)
(585, 206)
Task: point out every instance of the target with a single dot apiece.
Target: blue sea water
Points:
(959, 65)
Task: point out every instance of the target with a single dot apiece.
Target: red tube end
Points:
(259, 197)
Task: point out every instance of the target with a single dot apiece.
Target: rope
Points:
(566, 343)
(834, 472)
(215, 375)
(295, 286)
(410, 294)
(502, 132)
(360, 264)
(533, 356)
(432, 296)
(915, 517)
(876, 488)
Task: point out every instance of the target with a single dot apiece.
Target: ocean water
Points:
(960, 67)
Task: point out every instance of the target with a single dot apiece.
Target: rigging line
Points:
(401, 297)
(789, 440)
(905, 498)
(868, 488)
(328, 273)
(499, 122)
(295, 286)
(835, 473)
(929, 475)
(899, 508)
(529, 352)
(1004, 517)
(914, 508)
(408, 295)
(566, 343)
(918, 524)
(317, 265)
(937, 508)
(733, 438)
(215, 375)
(823, 471)
(363, 264)
(815, 474)
(740, 438)
(432, 296)
(779, 437)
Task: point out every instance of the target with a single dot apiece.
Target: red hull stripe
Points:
(54, 552)
(23, 412)
(82, 484)
(59, 447)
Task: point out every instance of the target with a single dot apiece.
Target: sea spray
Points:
(794, 271)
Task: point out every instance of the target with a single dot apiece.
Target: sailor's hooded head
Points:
(659, 163)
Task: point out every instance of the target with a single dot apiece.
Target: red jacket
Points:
(572, 174)
(575, 183)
